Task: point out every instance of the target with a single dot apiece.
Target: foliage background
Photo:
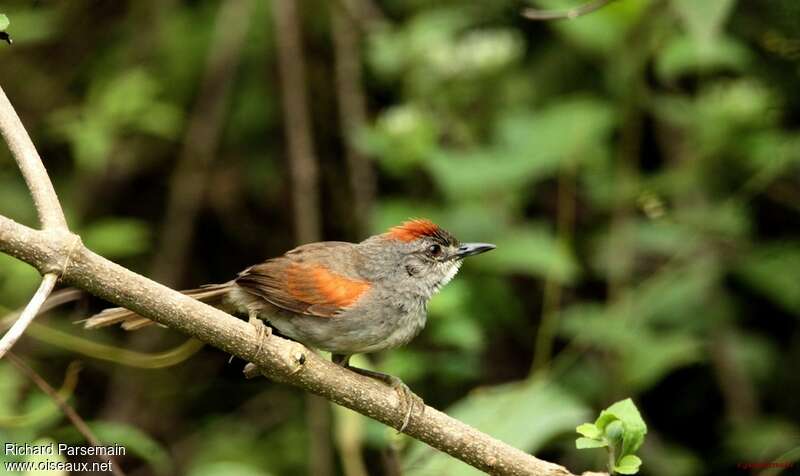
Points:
(637, 168)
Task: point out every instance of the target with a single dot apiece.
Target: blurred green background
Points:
(638, 168)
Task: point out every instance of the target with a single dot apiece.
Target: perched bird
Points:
(344, 298)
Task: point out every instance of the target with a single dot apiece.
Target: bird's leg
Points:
(262, 329)
(408, 399)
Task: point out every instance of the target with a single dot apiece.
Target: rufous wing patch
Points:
(413, 229)
(318, 285)
(304, 288)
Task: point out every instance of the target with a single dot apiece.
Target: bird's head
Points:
(422, 255)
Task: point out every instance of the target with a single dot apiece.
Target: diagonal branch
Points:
(24, 152)
(27, 315)
(48, 207)
(281, 359)
(571, 14)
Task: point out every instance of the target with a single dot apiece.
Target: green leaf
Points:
(633, 426)
(589, 430)
(583, 443)
(4, 22)
(614, 431)
(628, 465)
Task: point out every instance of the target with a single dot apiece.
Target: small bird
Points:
(344, 298)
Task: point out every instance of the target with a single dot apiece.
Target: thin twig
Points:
(62, 296)
(571, 14)
(89, 348)
(68, 386)
(69, 412)
(47, 206)
(27, 315)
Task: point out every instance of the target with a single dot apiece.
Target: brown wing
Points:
(302, 280)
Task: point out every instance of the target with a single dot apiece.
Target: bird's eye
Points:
(435, 250)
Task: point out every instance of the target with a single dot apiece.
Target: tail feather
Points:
(210, 294)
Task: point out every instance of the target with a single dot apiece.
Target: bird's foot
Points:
(408, 400)
(263, 330)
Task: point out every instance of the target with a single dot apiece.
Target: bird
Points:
(340, 297)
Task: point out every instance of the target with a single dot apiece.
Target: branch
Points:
(24, 152)
(58, 252)
(281, 359)
(571, 14)
(304, 171)
(48, 207)
(27, 315)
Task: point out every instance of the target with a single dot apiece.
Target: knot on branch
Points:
(282, 366)
(65, 243)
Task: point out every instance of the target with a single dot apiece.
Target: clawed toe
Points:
(263, 330)
(408, 400)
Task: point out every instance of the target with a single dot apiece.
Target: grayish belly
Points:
(355, 331)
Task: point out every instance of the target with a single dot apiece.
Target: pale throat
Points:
(451, 273)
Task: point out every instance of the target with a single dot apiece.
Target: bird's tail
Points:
(209, 294)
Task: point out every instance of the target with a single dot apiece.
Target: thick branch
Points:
(44, 196)
(281, 359)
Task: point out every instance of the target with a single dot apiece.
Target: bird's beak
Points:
(469, 249)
